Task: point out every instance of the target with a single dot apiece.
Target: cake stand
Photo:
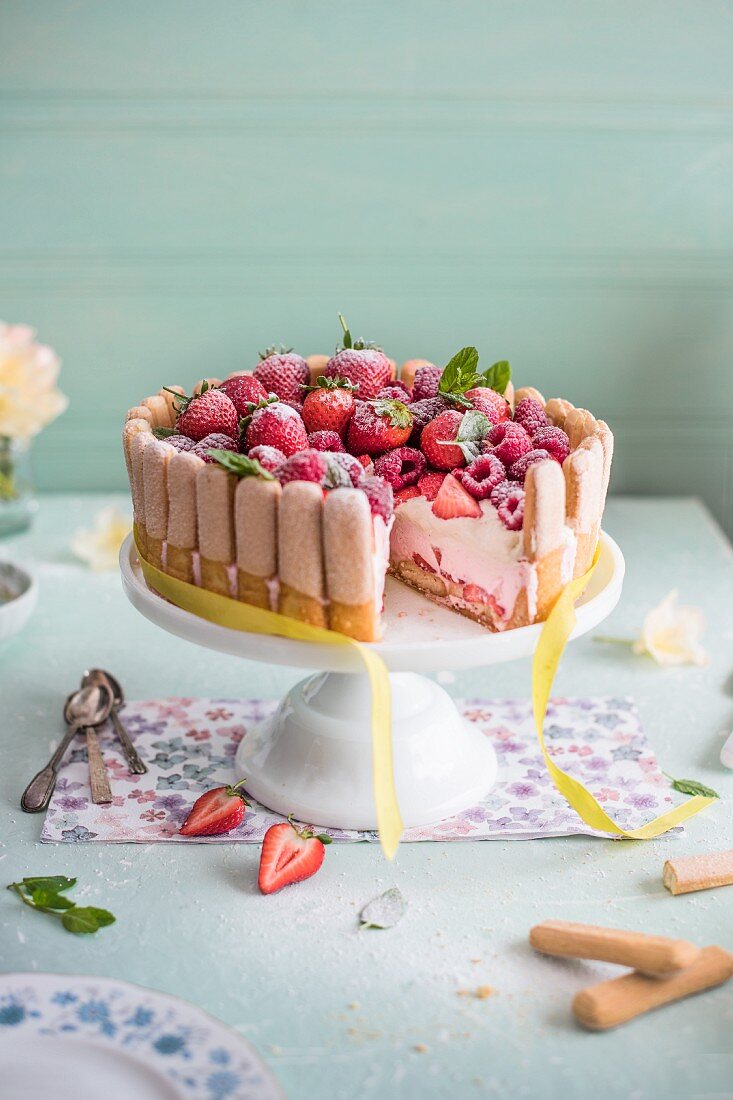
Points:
(313, 757)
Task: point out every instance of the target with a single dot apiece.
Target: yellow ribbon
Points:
(235, 615)
(555, 633)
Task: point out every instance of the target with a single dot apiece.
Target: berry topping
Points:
(490, 402)
(284, 373)
(501, 491)
(530, 414)
(511, 510)
(553, 440)
(207, 412)
(354, 468)
(269, 458)
(325, 441)
(214, 441)
(429, 484)
(436, 439)
(453, 501)
(181, 442)
(303, 466)
(243, 390)
(407, 493)
(277, 425)
(364, 364)
(380, 496)
(378, 426)
(518, 469)
(398, 391)
(422, 413)
(329, 406)
(289, 855)
(216, 811)
(483, 475)
(508, 441)
(427, 380)
(400, 467)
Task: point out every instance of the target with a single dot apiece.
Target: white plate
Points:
(86, 1038)
(16, 612)
(419, 636)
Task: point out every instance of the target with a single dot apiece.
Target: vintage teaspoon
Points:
(99, 676)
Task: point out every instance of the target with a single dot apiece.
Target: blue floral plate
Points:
(82, 1037)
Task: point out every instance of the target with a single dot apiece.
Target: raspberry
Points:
(407, 493)
(181, 442)
(509, 441)
(243, 390)
(400, 467)
(483, 475)
(422, 413)
(511, 510)
(380, 496)
(530, 414)
(351, 465)
(396, 390)
(427, 380)
(553, 440)
(437, 437)
(501, 491)
(325, 441)
(268, 457)
(215, 441)
(430, 482)
(518, 470)
(303, 466)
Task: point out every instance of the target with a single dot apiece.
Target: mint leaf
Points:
(87, 919)
(469, 450)
(50, 882)
(459, 374)
(240, 465)
(497, 376)
(163, 433)
(691, 786)
(474, 426)
(384, 911)
(49, 899)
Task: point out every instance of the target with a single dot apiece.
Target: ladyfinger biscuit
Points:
(531, 392)
(655, 956)
(138, 444)
(409, 369)
(592, 443)
(556, 411)
(348, 548)
(605, 435)
(300, 553)
(130, 430)
(583, 470)
(215, 516)
(168, 393)
(685, 874)
(158, 410)
(543, 531)
(156, 457)
(182, 522)
(139, 412)
(256, 505)
(316, 365)
(578, 424)
(510, 395)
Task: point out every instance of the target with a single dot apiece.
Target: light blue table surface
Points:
(339, 1013)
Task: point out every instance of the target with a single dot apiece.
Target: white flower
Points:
(29, 399)
(100, 546)
(671, 634)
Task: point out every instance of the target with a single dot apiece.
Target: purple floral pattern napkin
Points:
(189, 746)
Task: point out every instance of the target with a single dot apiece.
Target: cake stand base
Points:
(313, 756)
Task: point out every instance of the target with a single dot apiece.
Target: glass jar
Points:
(17, 499)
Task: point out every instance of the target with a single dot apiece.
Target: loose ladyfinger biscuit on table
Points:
(159, 410)
(168, 393)
(256, 505)
(316, 365)
(583, 470)
(156, 457)
(182, 520)
(348, 535)
(543, 531)
(215, 516)
(556, 411)
(300, 553)
(531, 392)
(578, 424)
(138, 444)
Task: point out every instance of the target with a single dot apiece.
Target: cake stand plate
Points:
(312, 758)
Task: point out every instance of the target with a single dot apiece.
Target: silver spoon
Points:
(101, 676)
(88, 706)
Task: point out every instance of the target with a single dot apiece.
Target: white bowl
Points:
(16, 611)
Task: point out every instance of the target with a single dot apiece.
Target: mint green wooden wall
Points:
(182, 182)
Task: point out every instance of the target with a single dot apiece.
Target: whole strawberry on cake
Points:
(297, 486)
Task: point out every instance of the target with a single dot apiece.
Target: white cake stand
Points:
(312, 758)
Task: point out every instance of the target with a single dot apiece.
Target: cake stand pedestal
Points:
(313, 757)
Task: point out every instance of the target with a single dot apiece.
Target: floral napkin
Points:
(189, 746)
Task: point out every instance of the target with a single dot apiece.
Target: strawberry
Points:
(277, 425)
(436, 435)
(430, 482)
(408, 493)
(283, 373)
(490, 402)
(378, 426)
(329, 405)
(362, 363)
(453, 501)
(217, 811)
(208, 412)
(289, 855)
(243, 390)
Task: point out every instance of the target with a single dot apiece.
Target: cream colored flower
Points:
(100, 546)
(29, 399)
(671, 634)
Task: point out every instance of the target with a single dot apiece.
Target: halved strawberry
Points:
(453, 501)
(289, 855)
(217, 811)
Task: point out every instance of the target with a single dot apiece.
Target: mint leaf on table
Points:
(46, 896)
(497, 376)
(384, 911)
(691, 786)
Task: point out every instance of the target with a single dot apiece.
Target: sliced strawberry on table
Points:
(217, 811)
(289, 855)
(453, 501)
